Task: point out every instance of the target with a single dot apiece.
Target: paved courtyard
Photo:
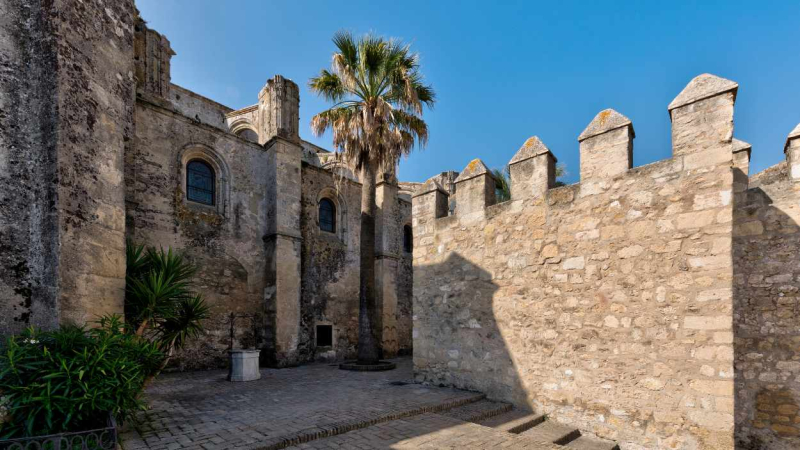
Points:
(313, 406)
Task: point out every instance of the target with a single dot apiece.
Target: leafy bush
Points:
(159, 302)
(72, 378)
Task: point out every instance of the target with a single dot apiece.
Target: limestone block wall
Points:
(606, 304)
(330, 266)
(766, 240)
(66, 96)
(224, 240)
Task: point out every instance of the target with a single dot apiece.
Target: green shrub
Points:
(72, 378)
(159, 302)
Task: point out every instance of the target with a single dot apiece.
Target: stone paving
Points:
(427, 431)
(201, 410)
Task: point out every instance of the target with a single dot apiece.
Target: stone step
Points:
(515, 421)
(476, 411)
(592, 443)
(552, 431)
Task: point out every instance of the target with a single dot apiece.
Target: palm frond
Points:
(379, 95)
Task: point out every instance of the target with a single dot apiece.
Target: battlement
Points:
(617, 296)
(702, 137)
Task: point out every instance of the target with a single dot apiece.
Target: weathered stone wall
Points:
(224, 240)
(28, 126)
(606, 304)
(93, 148)
(199, 108)
(405, 285)
(330, 265)
(766, 304)
(67, 114)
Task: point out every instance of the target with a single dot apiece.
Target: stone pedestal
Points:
(244, 365)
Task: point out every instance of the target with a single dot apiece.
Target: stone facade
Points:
(94, 147)
(621, 304)
(66, 122)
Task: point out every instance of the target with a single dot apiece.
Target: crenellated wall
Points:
(766, 240)
(607, 304)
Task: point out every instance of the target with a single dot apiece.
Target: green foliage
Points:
(561, 171)
(72, 378)
(502, 179)
(159, 302)
(378, 93)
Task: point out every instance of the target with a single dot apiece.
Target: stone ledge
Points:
(336, 428)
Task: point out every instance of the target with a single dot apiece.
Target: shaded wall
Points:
(766, 251)
(66, 97)
(405, 285)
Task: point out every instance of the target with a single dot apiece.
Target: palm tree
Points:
(378, 94)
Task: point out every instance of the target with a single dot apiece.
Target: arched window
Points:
(408, 239)
(200, 182)
(327, 215)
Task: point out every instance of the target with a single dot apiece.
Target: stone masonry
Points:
(95, 141)
(66, 122)
(620, 304)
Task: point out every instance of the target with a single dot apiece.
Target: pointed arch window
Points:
(327, 215)
(200, 180)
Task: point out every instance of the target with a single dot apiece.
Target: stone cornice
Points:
(244, 110)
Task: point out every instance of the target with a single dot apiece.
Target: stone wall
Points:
(224, 240)
(766, 304)
(94, 141)
(405, 287)
(28, 126)
(67, 95)
(606, 304)
(330, 265)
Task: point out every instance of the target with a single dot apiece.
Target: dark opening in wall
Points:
(324, 335)
(408, 239)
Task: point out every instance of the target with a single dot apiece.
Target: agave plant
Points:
(159, 302)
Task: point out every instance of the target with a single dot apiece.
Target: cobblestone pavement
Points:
(201, 410)
(427, 431)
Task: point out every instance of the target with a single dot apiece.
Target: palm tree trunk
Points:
(368, 346)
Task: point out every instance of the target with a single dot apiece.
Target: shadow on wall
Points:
(462, 317)
(766, 305)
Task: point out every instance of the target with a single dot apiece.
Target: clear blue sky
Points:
(505, 71)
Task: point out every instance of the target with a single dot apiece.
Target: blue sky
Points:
(505, 71)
